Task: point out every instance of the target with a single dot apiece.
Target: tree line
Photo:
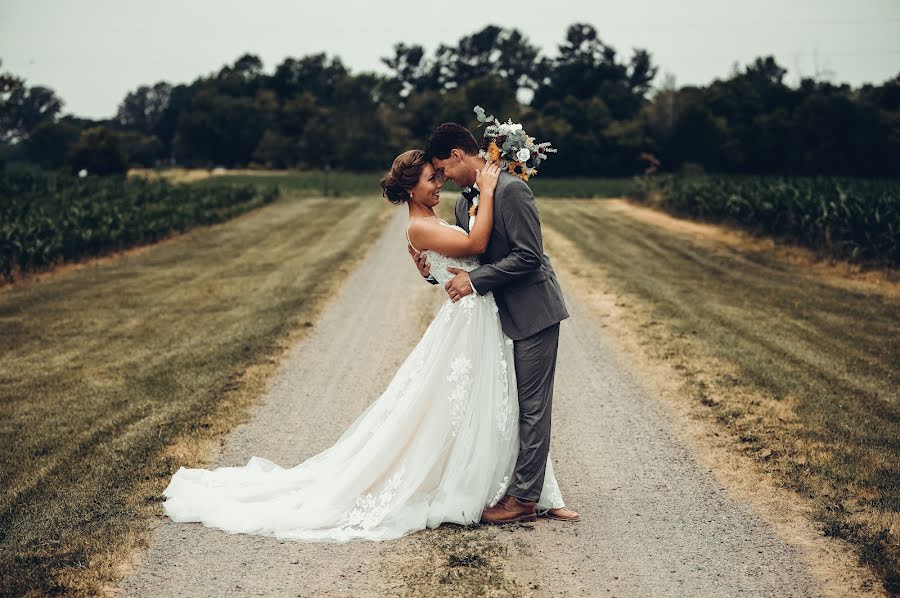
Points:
(599, 108)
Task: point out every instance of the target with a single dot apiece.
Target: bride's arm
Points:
(427, 234)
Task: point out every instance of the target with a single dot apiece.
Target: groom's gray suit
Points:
(531, 307)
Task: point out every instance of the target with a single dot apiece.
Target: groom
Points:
(530, 302)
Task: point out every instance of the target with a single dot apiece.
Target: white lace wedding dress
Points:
(437, 446)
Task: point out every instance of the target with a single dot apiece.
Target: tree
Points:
(660, 114)
(179, 102)
(23, 108)
(49, 143)
(492, 51)
(843, 136)
(97, 151)
(699, 137)
(316, 74)
(241, 79)
(275, 151)
(587, 67)
(361, 138)
(143, 109)
(295, 113)
(139, 149)
(318, 146)
(221, 129)
(406, 71)
(597, 107)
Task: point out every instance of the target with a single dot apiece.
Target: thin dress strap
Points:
(407, 237)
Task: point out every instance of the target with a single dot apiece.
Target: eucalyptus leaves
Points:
(509, 145)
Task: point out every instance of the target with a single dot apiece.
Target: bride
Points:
(439, 445)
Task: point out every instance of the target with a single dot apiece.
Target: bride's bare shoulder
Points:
(420, 228)
(438, 235)
(421, 224)
(420, 221)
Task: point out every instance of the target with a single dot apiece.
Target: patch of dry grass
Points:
(190, 175)
(799, 366)
(453, 561)
(113, 376)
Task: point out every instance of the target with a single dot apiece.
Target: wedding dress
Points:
(437, 446)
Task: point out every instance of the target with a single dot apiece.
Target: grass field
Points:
(804, 371)
(335, 183)
(115, 374)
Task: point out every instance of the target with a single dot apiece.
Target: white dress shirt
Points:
(475, 201)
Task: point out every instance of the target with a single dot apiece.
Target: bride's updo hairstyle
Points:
(403, 176)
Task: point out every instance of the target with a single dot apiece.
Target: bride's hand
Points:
(420, 260)
(486, 179)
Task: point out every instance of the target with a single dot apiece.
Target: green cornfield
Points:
(857, 219)
(48, 218)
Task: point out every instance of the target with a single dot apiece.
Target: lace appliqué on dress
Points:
(460, 375)
(500, 491)
(467, 304)
(503, 418)
(404, 387)
(370, 509)
(552, 495)
(382, 409)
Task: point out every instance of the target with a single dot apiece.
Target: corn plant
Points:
(47, 218)
(852, 218)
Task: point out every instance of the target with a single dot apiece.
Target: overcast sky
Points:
(92, 52)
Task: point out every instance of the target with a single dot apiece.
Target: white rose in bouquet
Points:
(523, 155)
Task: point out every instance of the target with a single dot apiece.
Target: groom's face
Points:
(455, 168)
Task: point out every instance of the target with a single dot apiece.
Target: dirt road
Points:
(655, 522)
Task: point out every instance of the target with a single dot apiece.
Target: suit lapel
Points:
(462, 213)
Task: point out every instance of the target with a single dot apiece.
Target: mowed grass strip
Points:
(339, 183)
(113, 376)
(804, 373)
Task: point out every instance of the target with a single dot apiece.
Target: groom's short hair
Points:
(448, 137)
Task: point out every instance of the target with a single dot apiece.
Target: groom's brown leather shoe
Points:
(508, 510)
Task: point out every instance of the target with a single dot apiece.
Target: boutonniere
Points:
(473, 209)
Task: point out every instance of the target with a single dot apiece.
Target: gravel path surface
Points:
(321, 387)
(654, 521)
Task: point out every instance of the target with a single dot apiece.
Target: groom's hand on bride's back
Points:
(421, 263)
(459, 286)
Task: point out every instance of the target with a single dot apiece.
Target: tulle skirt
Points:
(439, 445)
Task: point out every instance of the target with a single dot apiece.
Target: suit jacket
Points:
(514, 266)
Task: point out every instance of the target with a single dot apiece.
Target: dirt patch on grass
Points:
(173, 175)
(190, 175)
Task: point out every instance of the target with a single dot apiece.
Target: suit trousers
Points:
(535, 361)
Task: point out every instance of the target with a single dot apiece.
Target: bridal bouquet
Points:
(509, 145)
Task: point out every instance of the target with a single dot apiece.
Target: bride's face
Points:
(428, 189)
